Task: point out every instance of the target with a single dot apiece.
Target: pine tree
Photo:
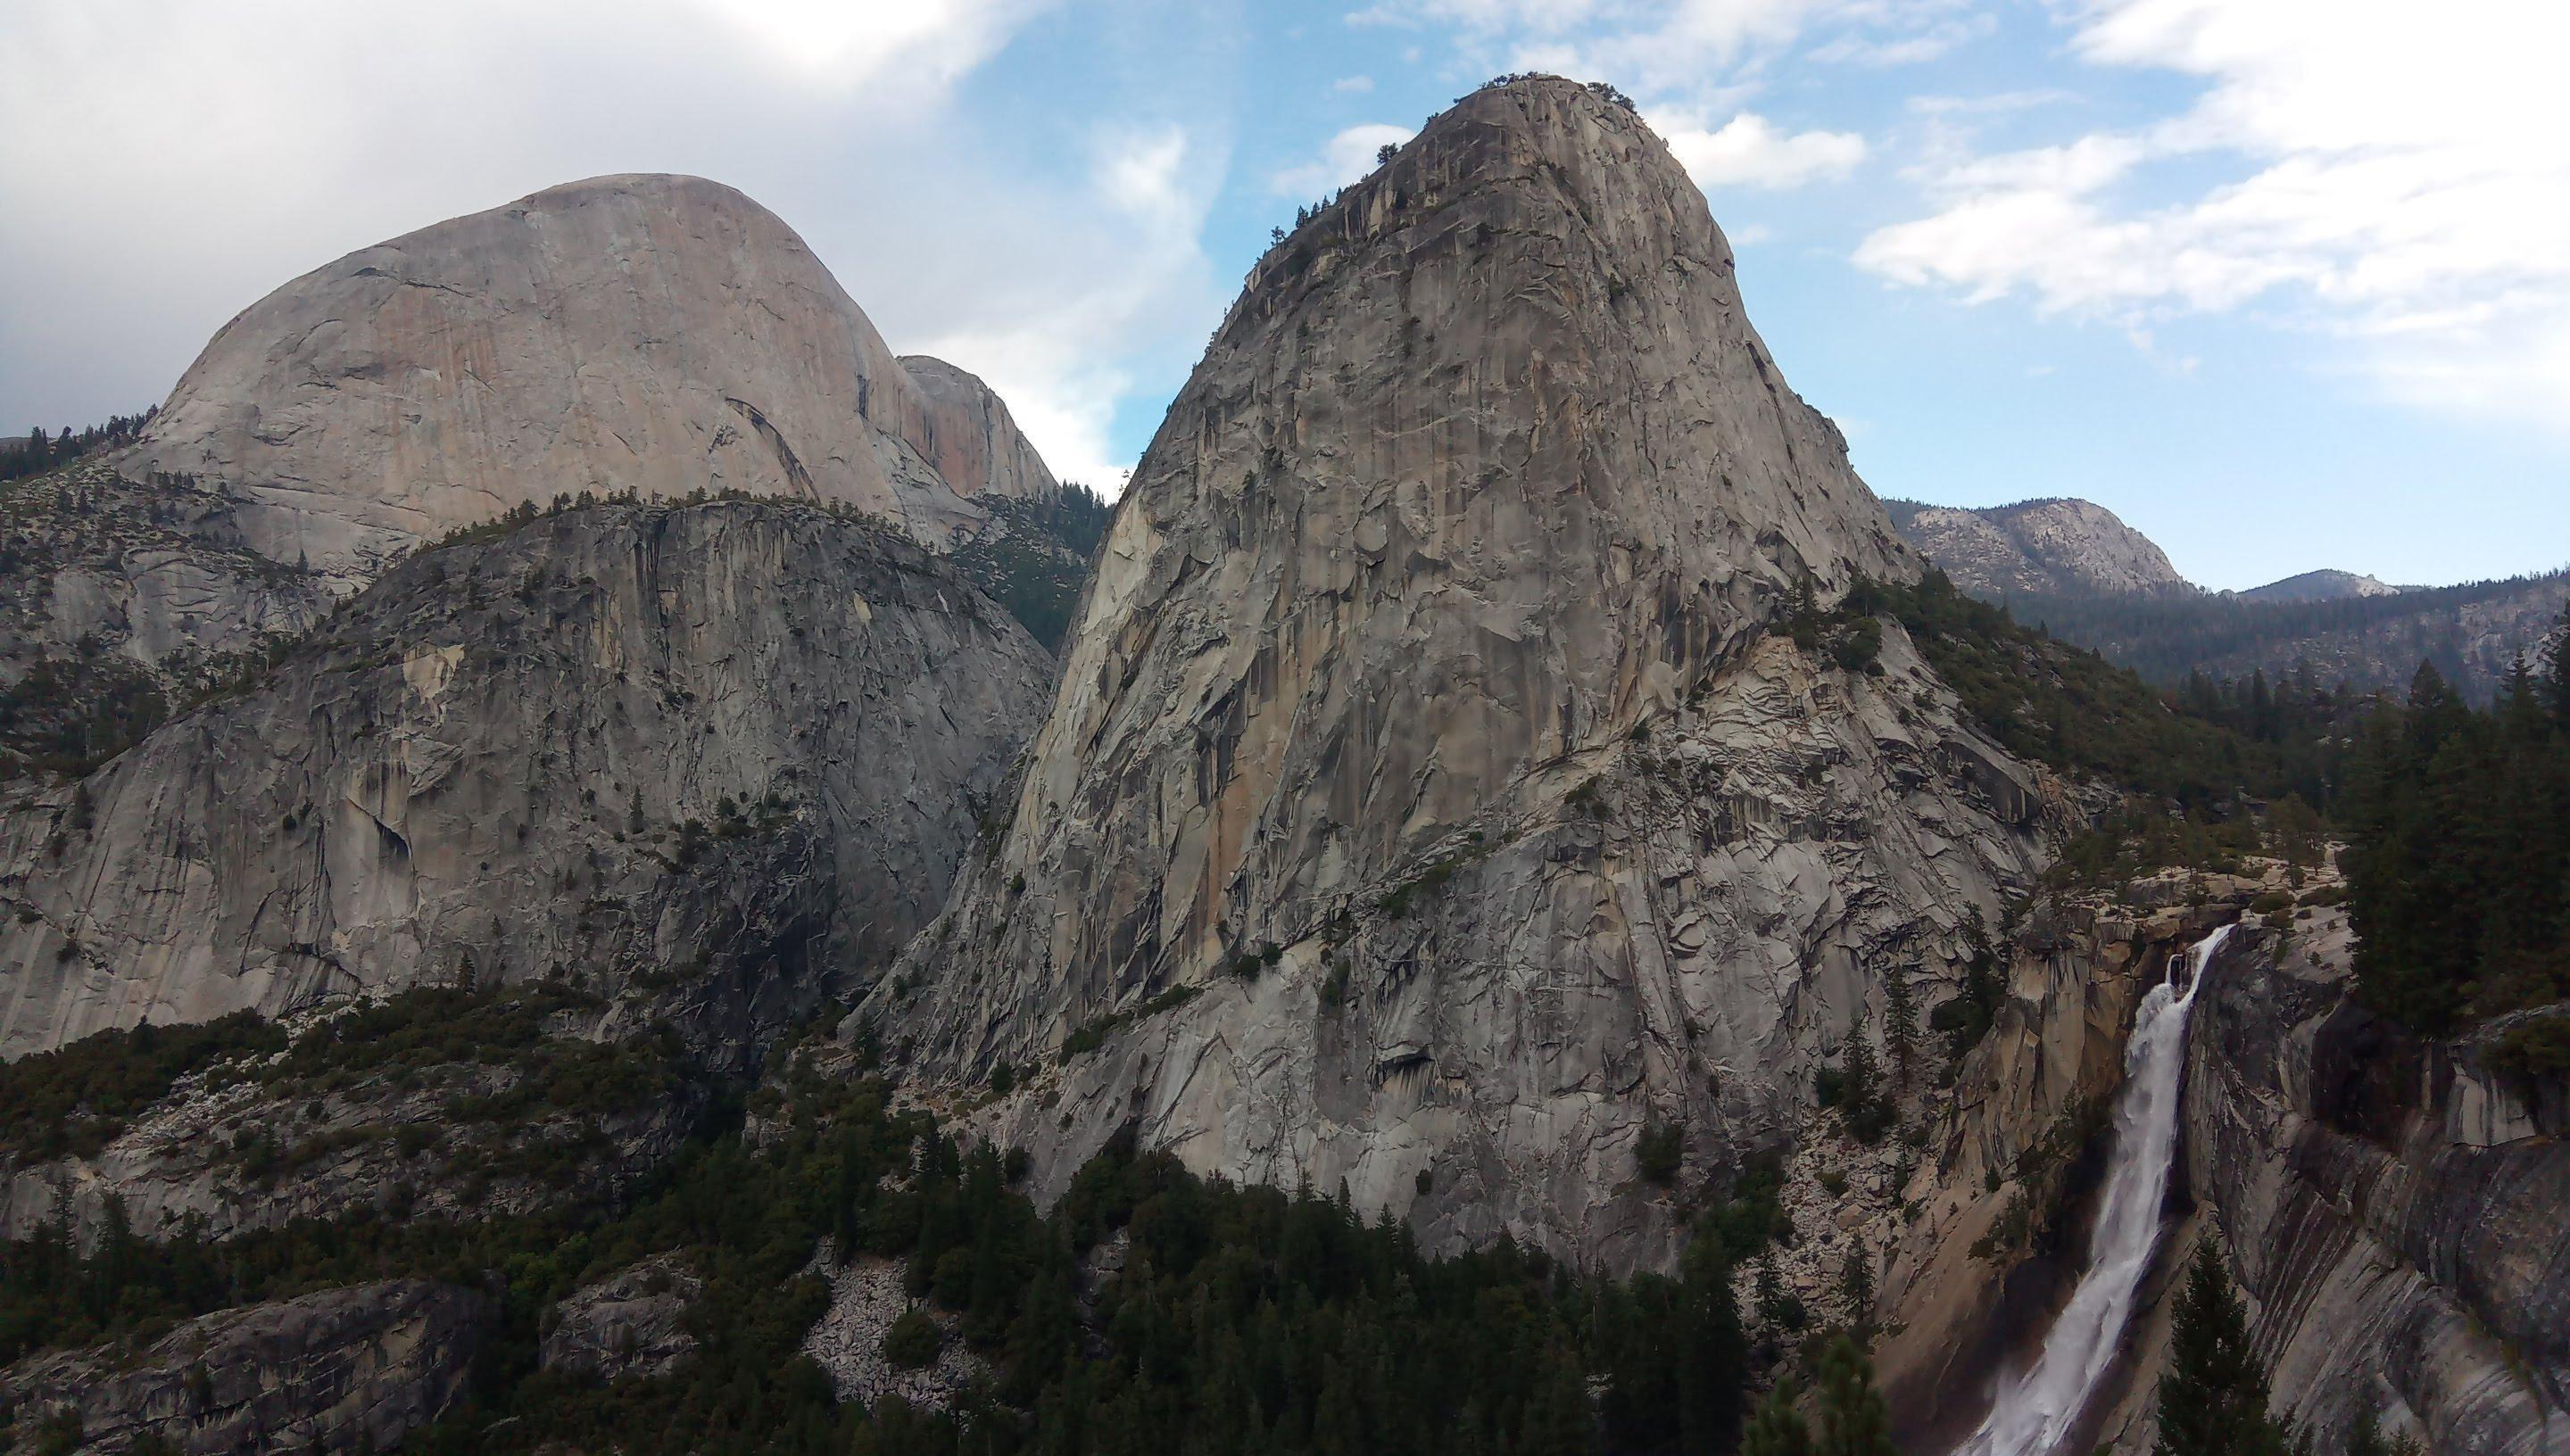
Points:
(1854, 1419)
(1713, 1354)
(2556, 675)
(1778, 1429)
(1901, 1028)
(2213, 1396)
(1856, 1283)
(1869, 1113)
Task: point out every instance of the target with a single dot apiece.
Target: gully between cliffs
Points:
(2036, 1409)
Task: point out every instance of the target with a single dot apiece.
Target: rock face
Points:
(2055, 546)
(655, 334)
(2320, 586)
(142, 569)
(118, 596)
(237, 1149)
(972, 439)
(2391, 1207)
(1424, 804)
(739, 745)
(632, 1322)
(346, 1370)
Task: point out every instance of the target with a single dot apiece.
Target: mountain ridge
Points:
(2327, 626)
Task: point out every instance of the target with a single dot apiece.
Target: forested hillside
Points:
(1150, 1311)
(2460, 874)
(2472, 632)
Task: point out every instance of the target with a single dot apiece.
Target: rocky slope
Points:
(742, 744)
(1426, 805)
(144, 570)
(646, 333)
(341, 1370)
(2092, 580)
(2057, 546)
(2474, 633)
(119, 596)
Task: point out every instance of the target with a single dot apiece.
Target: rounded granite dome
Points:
(649, 334)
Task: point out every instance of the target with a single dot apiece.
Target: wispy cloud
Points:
(1748, 150)
(1696, 50)
(1344, 157)
(2425, 224)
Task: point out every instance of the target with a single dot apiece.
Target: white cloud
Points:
(1933, 42)
(1353, 84)
(220, 151)
(2401, 188)
(1344, 157)
(1989, 103)
(1696, 49)
(1749, 152)
(842, 44)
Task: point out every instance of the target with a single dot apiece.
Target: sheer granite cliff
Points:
(972, 439)
(658, 335)
(741, 744)
(1426, 805)
(2393, 1208)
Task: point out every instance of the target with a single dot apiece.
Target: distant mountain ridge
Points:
(2322, 585)
(2076, 568)
(2055, 544)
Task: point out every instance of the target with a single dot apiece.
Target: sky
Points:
(2285, 283)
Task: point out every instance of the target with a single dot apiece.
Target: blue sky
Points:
(2286, 283)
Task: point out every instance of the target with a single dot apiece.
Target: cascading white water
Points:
(2034, 1411)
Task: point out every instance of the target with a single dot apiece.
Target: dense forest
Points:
(2370, 641)
(2208, 749)
(1232, 1319)
(2459, 875)
(1037, 562)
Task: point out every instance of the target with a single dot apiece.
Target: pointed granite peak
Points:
(1483, 485)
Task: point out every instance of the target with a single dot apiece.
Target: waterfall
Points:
(2034, 1411)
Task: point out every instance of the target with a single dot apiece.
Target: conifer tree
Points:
(1778, 1429)
(1901, 1028)
(2556, 675)
(2213, 1396)
(1854, 1419)
(1713, 1354)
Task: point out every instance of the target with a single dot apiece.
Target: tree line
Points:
(37, 451)
(2459, 875)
